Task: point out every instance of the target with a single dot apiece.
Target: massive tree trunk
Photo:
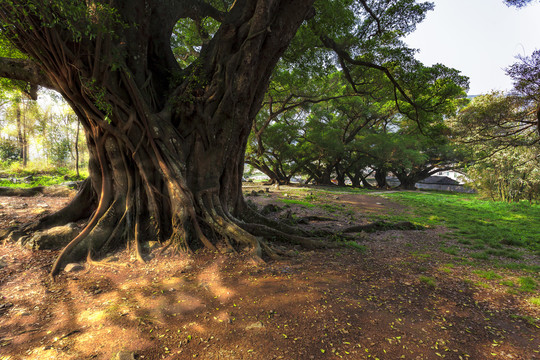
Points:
(409, 178)
(380, 178)
(166, 144)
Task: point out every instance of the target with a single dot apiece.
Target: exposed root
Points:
(383, 226)
(80, 207)
(93, 262)
(268, 232)
(316, 218)
(26, 192)
(252, 216)
(227, 228)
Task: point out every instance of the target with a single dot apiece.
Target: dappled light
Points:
(395, 299)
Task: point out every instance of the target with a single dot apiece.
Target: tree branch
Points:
(373, 15)
(193, 9)
(24, 70)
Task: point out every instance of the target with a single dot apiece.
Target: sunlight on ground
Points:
(210, 278)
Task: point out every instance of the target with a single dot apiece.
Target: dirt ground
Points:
(325, 304)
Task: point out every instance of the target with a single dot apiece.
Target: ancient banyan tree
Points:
(166, 141)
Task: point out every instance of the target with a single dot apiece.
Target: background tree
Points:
(500, 136)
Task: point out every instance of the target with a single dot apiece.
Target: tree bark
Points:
(77, 148)
(380, 177)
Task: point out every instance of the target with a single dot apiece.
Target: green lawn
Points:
(40, 177)
(487, 227)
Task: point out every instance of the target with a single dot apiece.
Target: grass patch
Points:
(525, 318)
(31, 176)
(484, 223)
(452, 250)
(535, 300)
(420, 255)
(428, 280)
(298, 202)
(482, 284)
(488, 275)
(527, 284)
(508, 283)
(355, 246)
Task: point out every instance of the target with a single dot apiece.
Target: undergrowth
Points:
(32, 176)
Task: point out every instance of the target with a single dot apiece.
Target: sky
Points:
(478, 37)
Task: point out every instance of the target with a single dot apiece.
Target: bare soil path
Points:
(327, 304)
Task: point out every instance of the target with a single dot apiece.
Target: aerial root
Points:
(220, 222)
(268, 232)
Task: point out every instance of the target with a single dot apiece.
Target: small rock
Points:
(53, 238)
(125, 355)
(269, 208)
(255, 325)
(20, 206)
(73, 267)
(3, 263)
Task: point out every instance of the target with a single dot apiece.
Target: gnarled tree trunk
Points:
(166, 144)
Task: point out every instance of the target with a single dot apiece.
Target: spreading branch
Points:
(373, 15)
(24, 70)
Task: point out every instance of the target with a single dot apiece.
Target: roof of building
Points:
(439, 180)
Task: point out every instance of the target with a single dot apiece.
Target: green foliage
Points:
(99, 96)
(41, 175)
(9, 151)
(502, 150)
(78, 18)
(48, 128)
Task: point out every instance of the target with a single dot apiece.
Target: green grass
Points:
(298, 202)
(38, 180)
(508, 283)
(496, 226)
(488, 275)
(42, 176)
(355, 246)
(527, 284)
(429, 281)
(535, 300)
(525, 318)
